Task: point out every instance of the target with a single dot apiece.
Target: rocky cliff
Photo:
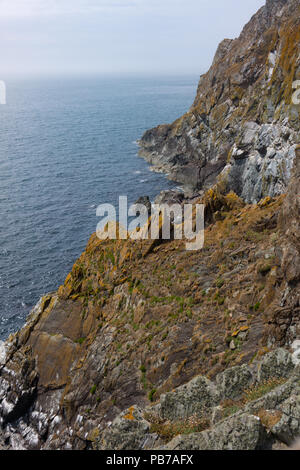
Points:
(134, 321)
(246, 407)
(138, 323)
(243, 125)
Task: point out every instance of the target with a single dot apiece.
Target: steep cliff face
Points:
(243, 125)
(136, 320)
(284, 312)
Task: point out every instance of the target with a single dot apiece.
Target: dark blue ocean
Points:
(67, 146)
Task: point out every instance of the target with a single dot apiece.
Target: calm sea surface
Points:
(67, 146)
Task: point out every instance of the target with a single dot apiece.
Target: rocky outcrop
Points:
(243, 126)
(187, 400)
(270, 421)
(278, 364)
(284, 312)
(129, 431)
(233, 381)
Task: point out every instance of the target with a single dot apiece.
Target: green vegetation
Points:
(165, 335)
(151, 394)
(230, 407)
(80, 340)
(262, 389)
(111, 257)
(167, 430)
(220, 300)
(219, 283)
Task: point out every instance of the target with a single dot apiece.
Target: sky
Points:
(116, 37)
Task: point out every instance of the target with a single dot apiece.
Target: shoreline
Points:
(170, 172)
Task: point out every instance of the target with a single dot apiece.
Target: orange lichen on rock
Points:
(130, 414)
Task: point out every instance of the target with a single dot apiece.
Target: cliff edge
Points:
(243, 125)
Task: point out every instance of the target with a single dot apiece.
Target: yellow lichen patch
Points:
(263, 351)
(93, 435)
(233, 201)
(285, 69)
(265, 202)
(130, 414)
(75, 296)
(68, 278)
(211, 194)
(219, 112)
(244, 328)
(60, 291)
(208, 341)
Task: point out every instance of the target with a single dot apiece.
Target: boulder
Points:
(278, 363)
(232, 382)
(129, 431)
(288, 428)
(195, 397)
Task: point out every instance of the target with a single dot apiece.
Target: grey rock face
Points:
(128, 431)
(296, 352)
(169, 197)
(198, 396)
(288, 428)
(244, 432)
(262, 161)
(278, 363)
(232, 382)
(17, 392)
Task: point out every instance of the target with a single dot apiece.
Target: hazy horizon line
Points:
(112, 75)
